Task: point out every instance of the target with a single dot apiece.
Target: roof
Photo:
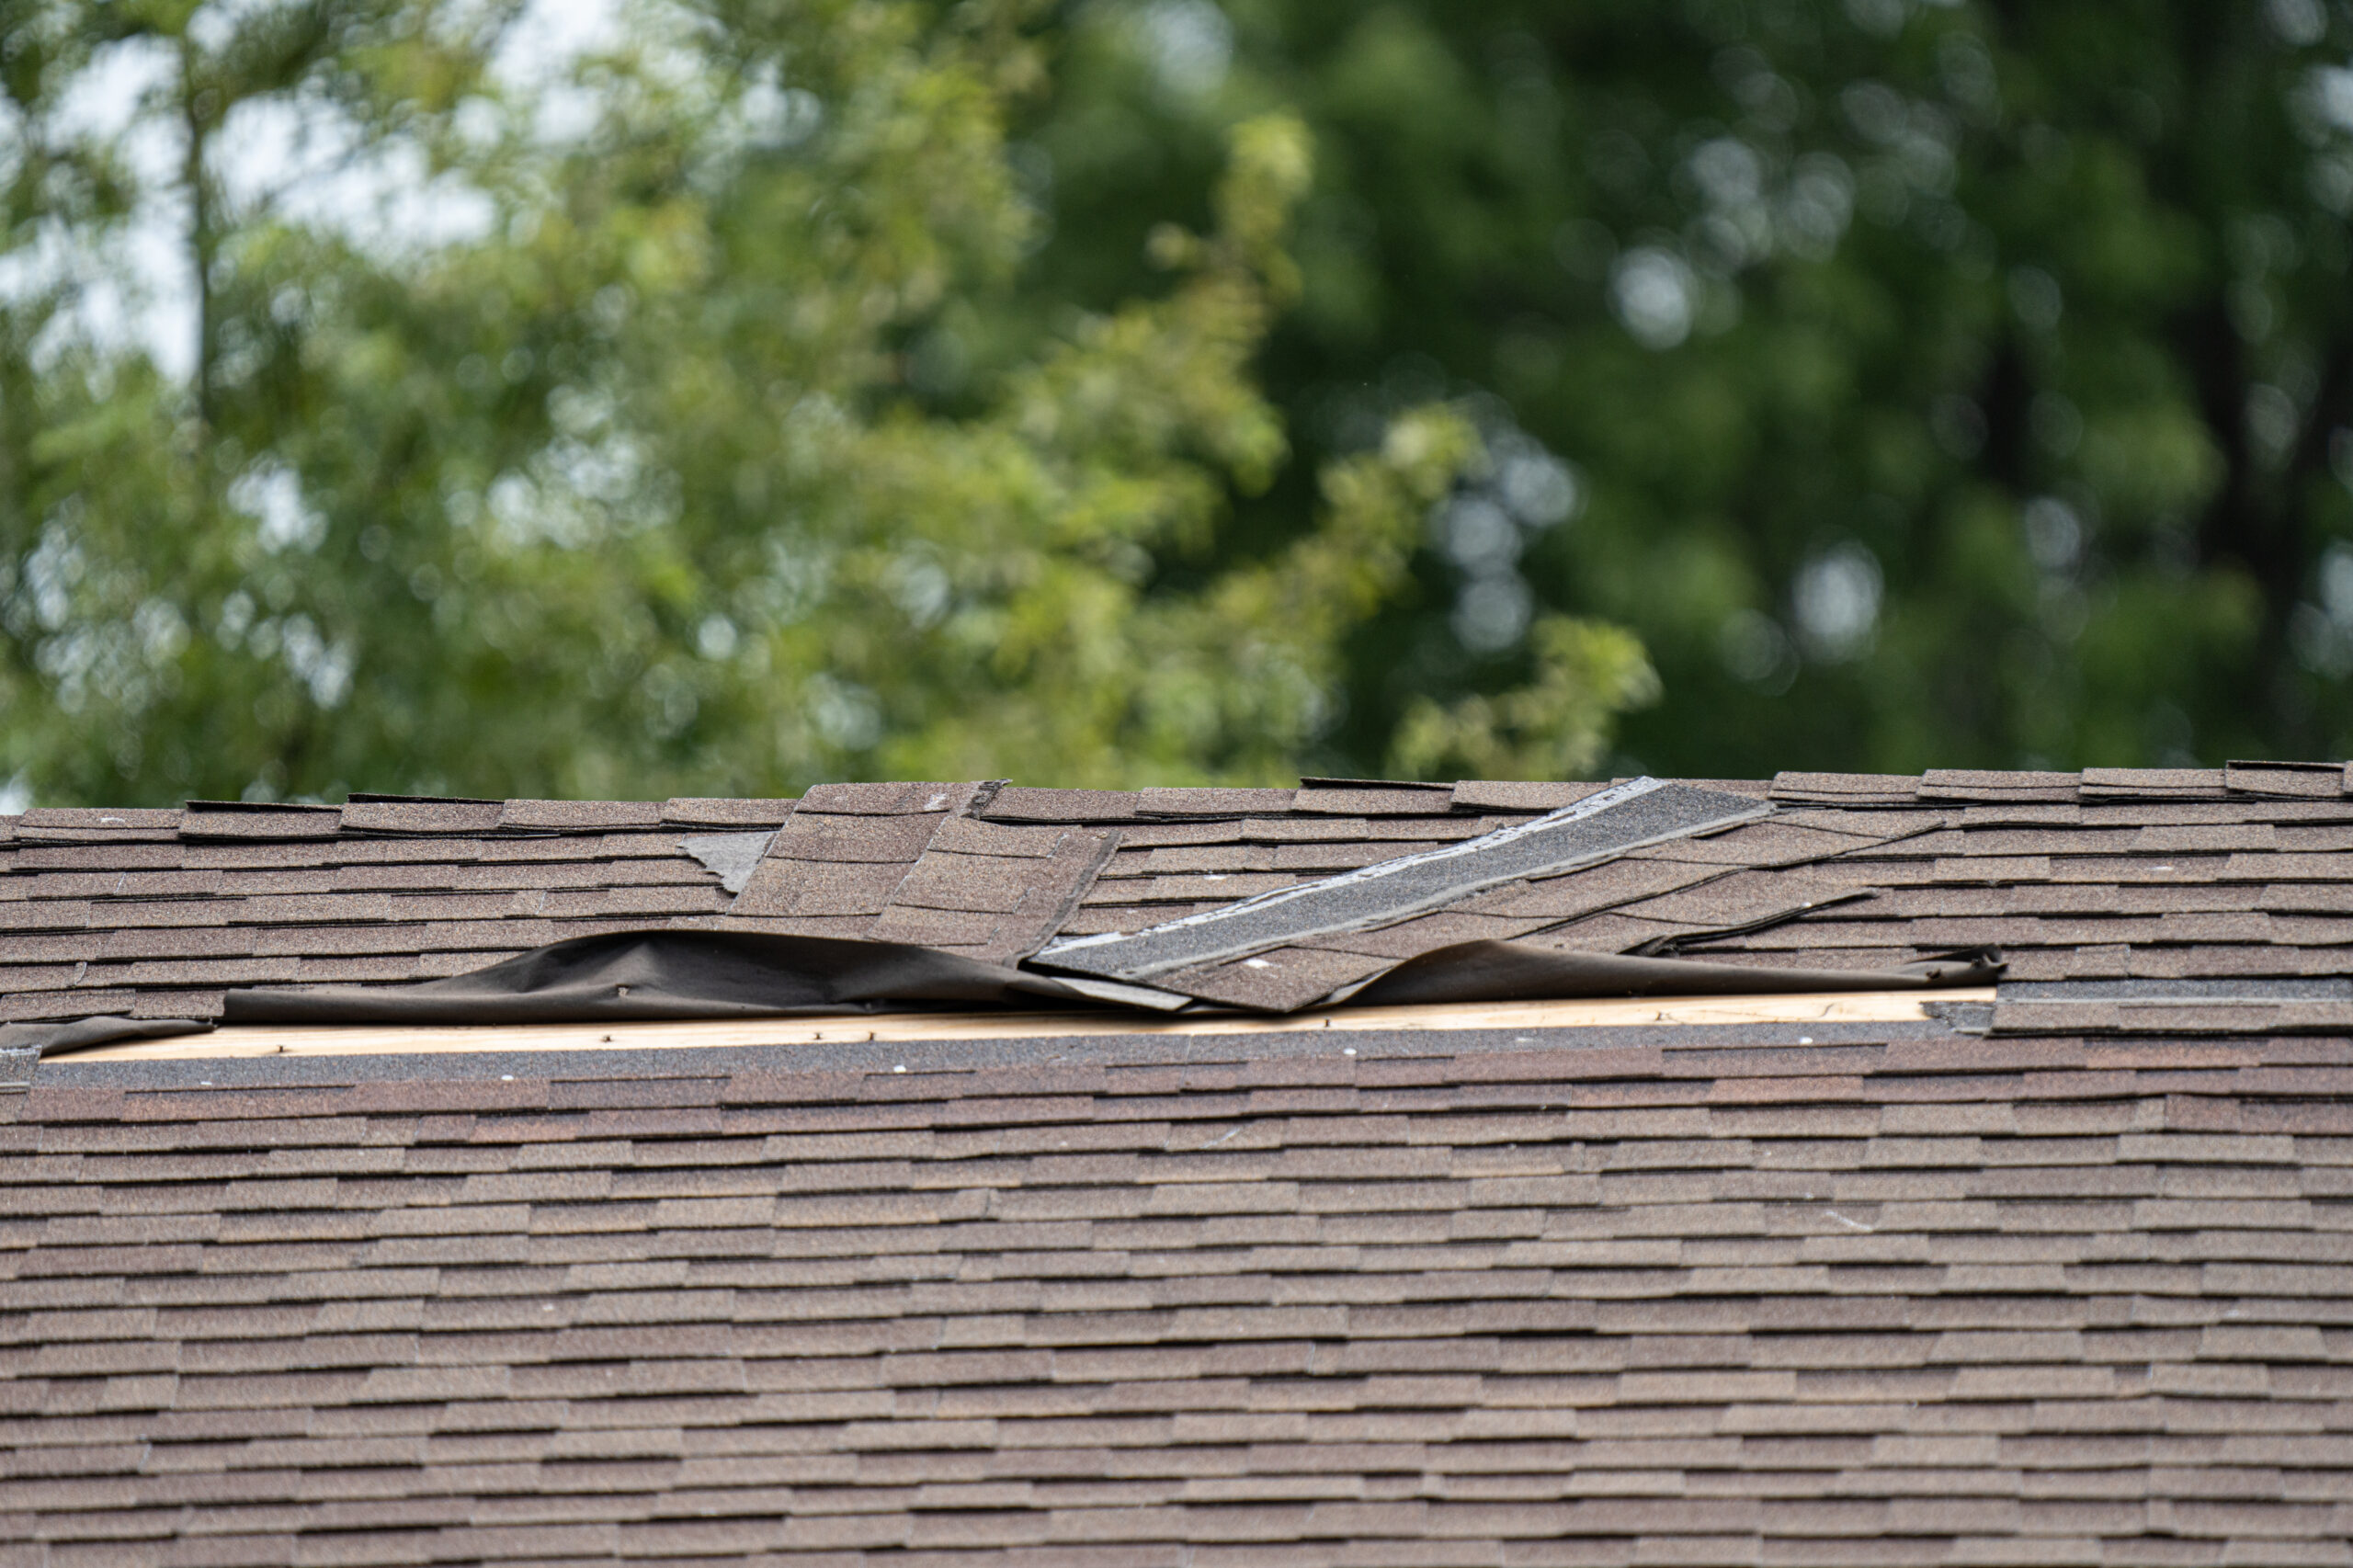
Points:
(2062, 1279)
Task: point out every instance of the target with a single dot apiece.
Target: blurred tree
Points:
(1954, 383)
(612, 431)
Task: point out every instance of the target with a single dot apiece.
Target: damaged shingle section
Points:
(2112, 874)
(1184, 952)
(905, 863)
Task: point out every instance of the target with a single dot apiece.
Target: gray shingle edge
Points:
(1624, 817)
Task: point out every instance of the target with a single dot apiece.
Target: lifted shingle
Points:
(1604, 826)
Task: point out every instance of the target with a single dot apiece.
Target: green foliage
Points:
(1960, 383)
(719, 451)
(1145, 388)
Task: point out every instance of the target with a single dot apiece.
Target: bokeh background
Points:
(629, 400)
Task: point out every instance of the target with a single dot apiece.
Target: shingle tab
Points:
(693, 811)
(2298, 780)
(1212, 802)
(1378, 800)
(2151, 784)
(886, 800)
(1505, 795)
(1976, 784)
(370, 815)
(573, 816)
(1021, 803)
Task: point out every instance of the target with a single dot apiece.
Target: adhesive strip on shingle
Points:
(730, 857)
(1624, 817)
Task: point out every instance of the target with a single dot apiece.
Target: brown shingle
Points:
(577, 816)
(854, 838)
(819, 887)
(85, 823)
(1503, 795)
(238, 819)
(1020, 803)
(373, 815)
(1212, 802)
(1278, 980)
(2151, 784)
(1839, 789)
(2318, 780)
(1376, 800)
(1974, 784)
(886, 800)
(696, 812)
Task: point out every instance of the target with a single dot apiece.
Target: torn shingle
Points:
(730, 857)
(979, 867)
(1602, 826)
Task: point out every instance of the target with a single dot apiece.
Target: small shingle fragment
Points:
(2290, 781)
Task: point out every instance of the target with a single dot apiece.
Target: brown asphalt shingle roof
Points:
(1825, 1293)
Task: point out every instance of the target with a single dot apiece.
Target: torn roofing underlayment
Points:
(1266, 899)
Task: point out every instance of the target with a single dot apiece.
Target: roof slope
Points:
(1886, 1294)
